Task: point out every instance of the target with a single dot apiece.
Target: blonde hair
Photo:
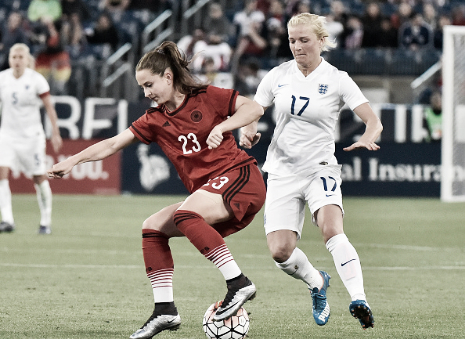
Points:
(25, 48)
(318, 24)
(21, 46)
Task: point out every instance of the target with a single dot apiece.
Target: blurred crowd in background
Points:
(241, 37)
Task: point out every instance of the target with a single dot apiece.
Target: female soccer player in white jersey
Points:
(22, 137)
(308, 94)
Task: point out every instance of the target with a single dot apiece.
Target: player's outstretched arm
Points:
(98, 151)
(373, 129)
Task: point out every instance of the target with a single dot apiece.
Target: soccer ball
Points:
(235, 327)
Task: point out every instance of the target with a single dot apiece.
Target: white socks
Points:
(298, 267)
(5, 202)
(162, 285)
(44, 198)
(347, 265)
(223, 259)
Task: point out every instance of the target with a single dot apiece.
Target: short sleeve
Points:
(264, 95)
(42, 86)
(141, 128)
(222, 100)
(350, 92)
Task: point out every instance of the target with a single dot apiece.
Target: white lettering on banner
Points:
(122, 115)
(406, 118)
(90, 123)
(403, 172)
(352, 172)
(89, 170)
(69, 123)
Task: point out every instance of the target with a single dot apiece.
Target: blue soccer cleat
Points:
(361, 310)
(320, 304)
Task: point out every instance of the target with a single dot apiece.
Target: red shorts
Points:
(243, 189)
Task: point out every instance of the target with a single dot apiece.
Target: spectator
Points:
(72, 34)
(276, 33)
(150, 5)
(335, 28)
(192, 44)
(371, 21)
(103, 32)
(389, 35)
(295, 7)
(202, 50)
(250, 42)
(48, 9)
(217, 26)
(53, 60)
(404, 11)
(415, 34)
(339, 12)
(78, 7)
(433, 118)
(248, 77)
(458, 15)
(438, 34)
(12, 33)
(115, 8)
(352, 36)
(430, 15)
(248, 18)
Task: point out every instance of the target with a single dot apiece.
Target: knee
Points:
(146, 225)
(280, 252)
(149, 224)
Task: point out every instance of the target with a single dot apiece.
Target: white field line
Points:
(365, 268)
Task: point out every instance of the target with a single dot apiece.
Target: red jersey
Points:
(182, 135)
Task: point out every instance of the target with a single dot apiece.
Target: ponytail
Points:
(167, 55)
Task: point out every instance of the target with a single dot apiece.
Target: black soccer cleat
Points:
(44, 230)
(239, 292)
(156, 324)
(6, 227)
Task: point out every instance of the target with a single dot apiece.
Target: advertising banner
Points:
(405, 166)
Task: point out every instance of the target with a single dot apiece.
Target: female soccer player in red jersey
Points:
(192, 124)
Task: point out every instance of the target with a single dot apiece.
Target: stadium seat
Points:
(374, 62)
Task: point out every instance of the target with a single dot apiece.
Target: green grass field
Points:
(87, 279)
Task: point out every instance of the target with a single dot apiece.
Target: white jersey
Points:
(21, 104)
(307, 109)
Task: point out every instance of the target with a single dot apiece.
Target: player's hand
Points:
(247, 140)
(57, 142)
(60, 169)
(371, 146)
(215, 138)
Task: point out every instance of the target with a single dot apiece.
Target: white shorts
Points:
(25, 155)
(286, 197)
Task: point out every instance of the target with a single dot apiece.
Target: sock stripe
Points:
(220, 256)
(155, 234)
(161, 278)
(183, 216)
